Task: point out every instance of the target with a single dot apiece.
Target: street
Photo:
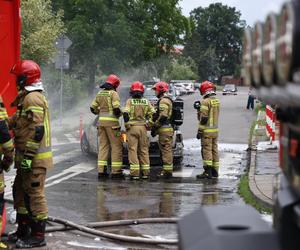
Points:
(74, 192)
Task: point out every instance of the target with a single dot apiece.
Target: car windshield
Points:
(149, 94)
(229, 86)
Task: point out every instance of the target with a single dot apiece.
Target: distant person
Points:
(107, 105)
(251, 97)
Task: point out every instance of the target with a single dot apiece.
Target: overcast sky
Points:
(251, 10)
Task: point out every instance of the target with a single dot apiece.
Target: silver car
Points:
(90, 145)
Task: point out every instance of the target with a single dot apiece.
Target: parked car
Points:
(189, 86)
(184, 86)
(150, 95)
(230, 89)
(181, 90)
(90, 144)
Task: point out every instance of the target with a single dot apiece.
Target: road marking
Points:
(65, 156)
(54, 141)
(71, 138)
(72, 171)
(58, 178)
(65, 174)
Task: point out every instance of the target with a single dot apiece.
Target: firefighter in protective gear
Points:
(208, 115)
(163, 128)
(107, 105)
(6, 159)
(137, 112)
(31, 126)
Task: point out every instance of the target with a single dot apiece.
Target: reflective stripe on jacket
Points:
(104, 103)
(210, 108)
(164, 108)
(33, 112)
(139, 109)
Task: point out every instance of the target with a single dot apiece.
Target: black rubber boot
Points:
(167, 175)
(117, 176)
(214, 173)
(145, 174)
(207, 174)
(23, 230)
(4, 245)
(37, 237)
(102, 176)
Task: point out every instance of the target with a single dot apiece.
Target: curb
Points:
(257, 194)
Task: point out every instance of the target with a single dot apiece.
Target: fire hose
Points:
(90, 228)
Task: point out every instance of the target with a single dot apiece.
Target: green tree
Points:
(40, 29)
(109, 36)
(216, 40)
(181, 68)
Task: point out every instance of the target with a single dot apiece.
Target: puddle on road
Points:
(116, 200)
(93, 246)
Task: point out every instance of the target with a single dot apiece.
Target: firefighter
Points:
(6, 159)
(208, 114)
(137, 112)
(162, 127)
(107, 105)
(31, 126)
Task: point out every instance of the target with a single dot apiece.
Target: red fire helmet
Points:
(206, 86)
(29, 69)
(137, 86)
(113, 80)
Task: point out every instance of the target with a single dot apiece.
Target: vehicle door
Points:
(93, 135)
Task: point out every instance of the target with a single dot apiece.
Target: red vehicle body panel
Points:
(10, 33)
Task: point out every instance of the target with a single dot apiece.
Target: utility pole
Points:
(62, 62)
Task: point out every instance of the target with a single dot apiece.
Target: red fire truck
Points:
(10, 28)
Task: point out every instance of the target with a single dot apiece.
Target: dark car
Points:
(90, 145)
(150, 95)
(230, 89)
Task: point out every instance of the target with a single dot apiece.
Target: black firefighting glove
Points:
(93, 111)
(117, 112)
(197, 105)
(153, 132)
(155, 117)
(4, 167)
(6, 163)
(126, 117)
(199, 135)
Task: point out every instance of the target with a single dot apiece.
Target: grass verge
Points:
(245, 193)
(251, 132)
(243, 188)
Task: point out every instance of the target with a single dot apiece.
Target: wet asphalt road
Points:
(74, 193)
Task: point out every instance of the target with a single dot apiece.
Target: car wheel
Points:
(84, 144)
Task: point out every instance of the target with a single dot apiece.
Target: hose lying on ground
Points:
(127, 222)
(87, 229)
